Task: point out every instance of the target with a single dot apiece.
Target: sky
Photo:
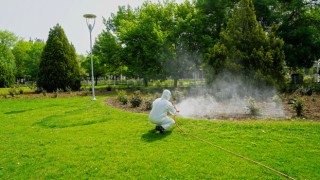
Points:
(34, 18)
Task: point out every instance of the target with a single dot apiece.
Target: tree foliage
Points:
(108, 50)
(8, 39)
(27, 57)
(32, 64)
(99, 69)
(186, 41)
(6, 77)
(20, 52)
(245, 49)
(161, 40)
(300, 29)
(7, 59)
(59, 68)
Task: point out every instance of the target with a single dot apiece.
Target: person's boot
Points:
(161, 129)
(158, 128)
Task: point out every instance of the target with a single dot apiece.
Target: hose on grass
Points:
(226, 150)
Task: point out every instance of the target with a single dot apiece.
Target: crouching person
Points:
(159, 112)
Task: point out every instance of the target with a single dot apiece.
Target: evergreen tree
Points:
(246, 49)
(59, 68)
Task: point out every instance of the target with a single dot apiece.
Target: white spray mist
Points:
(227, 98)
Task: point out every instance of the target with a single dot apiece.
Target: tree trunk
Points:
(145, 82)
(175, 82)
(96, 81)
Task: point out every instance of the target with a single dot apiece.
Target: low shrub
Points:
(122, 97)
(177, 96)
(277, 100)
(57, 92)
(148, 103)
(252, 107)
(44, 92)
(12, 92)
(299, 106)
(69, 90)
(84, 91)
(136, 99)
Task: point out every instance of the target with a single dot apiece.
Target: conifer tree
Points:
(244, 48)
(58, 67)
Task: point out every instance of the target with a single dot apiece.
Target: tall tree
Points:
(6, 77)
(143, 36)
(20, 52)
(300, 30)
(186, 41)
(33, 62)
(59, 68)
(245, 49)
(214, 15)
(99, 69)
(7, 59)
(8, 39)
(108, 50)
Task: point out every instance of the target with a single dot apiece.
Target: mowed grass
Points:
(75, 138)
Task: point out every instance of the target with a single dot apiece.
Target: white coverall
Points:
(160, 108)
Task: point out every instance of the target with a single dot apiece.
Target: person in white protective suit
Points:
(159, 112)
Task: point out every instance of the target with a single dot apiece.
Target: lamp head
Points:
(91, 19)
(89, 16)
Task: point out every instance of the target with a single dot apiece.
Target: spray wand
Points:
(174, 116)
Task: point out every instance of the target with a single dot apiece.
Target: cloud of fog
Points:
(227, 97)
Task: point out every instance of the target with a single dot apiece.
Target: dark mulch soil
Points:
(311, 108)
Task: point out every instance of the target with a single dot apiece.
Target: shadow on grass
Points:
(154, 135)
(69, 120)
(16, 112)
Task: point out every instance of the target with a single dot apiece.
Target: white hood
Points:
(166, 95)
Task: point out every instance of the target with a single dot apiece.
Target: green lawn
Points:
(75, 138)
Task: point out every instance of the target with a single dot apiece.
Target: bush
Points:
(252, 107)
(177, 96)
(44, 92)
(38, 90)
(12, 92)
(57, 92)
(122, 97)
(69, 90)
(315, 87)
(298, 106)
(136, 99)
(85, 91)
(148, 103)
(276, 99)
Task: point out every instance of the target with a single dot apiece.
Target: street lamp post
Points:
(90, 17)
